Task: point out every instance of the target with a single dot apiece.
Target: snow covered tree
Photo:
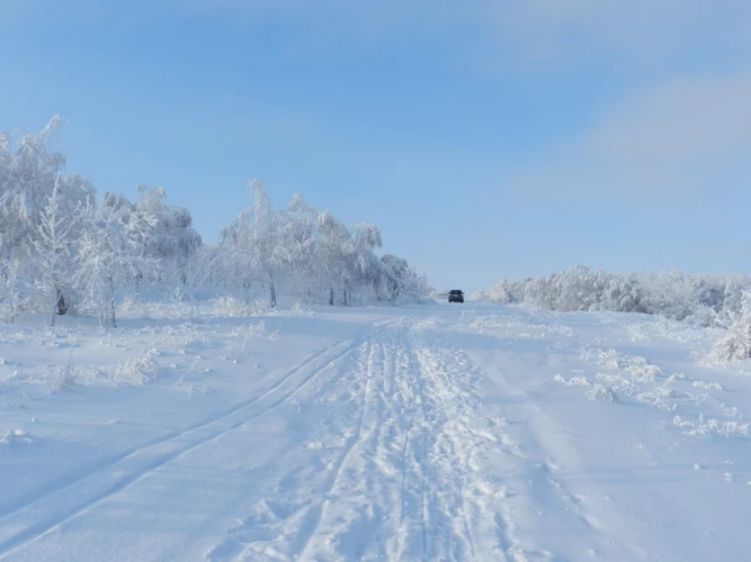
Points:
(363, 265)
(53, 251)
(28, 178)
(736, 343)
(108, 256)
(702, 299)
(297, 243)
(57, 244)
(399, 281)
(37, 200)
(163, 233)
(10, 296)
(335, 246)
(250, 244)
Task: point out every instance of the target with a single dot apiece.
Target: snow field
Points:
(424, 433)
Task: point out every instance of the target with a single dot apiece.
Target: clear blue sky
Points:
(486, 138)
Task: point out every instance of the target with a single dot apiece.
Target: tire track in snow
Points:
(312, 528)
(348, 516)
(471, 454)
(442, 456)
(298, 519)
(23, 525)
(59, 486)
(408, 484)
(366, 479)
(417, 459)
(333, 480)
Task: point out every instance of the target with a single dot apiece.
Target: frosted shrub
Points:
(736, 343)
(62, 378)
(703, 300)
(15, 436)
(136, 371)
(231, 307)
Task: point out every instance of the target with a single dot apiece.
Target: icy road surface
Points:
(432, 433)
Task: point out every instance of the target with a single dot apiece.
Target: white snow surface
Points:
(426, 433)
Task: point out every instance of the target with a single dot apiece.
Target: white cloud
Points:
(507, 34)
(640, 32)
(556, 31)
(687, 136)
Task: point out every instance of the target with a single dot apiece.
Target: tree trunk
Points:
(107, 317)
(331, 296)
(346, 293)
(113, 320)
(62, 306)
(272, 294)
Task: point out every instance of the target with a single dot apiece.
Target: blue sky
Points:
(486, 138)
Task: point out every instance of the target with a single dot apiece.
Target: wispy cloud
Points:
(541, 35)
(689, 136)
(528, 31)
(639, 34)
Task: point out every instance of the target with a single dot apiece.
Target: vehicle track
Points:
(321, 511)
(346, 511)
(27, 523)
(349, 509)
(442, 461)
(410, 452)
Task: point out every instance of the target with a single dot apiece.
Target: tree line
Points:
(64, 249)
(721, 301)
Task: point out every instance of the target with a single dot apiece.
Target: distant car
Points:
(456, 295)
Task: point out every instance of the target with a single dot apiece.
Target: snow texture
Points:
(433, 433)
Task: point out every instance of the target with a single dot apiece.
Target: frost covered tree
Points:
(37, 198)
(264, 232)
(10, 296)
(108, 256)
(251, 252)
(61, 246)
(334, 247)
(399, 281)
(702, 299)
(53, 252)
(29, 175)
(735, 344)
(297, 238)
(163, 233)
(305, 252)
(363, 264)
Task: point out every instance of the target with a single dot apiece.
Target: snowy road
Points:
(429, 433)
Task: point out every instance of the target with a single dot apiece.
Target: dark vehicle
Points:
(456, 295)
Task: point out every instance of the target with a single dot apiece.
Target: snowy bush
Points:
(736, 343)
(704, 300)
(15, 436)
(228, 306)
(136, 371)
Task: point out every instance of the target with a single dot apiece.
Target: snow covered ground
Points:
(423, 433)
